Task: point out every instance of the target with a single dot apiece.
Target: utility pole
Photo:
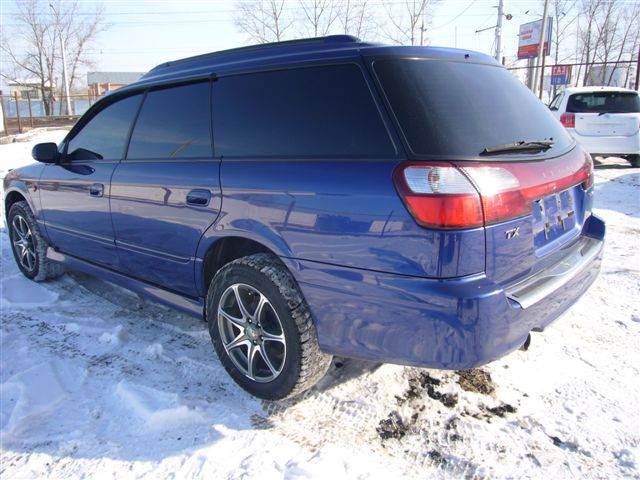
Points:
(65, 82)
(424, 9)
(638, 70)
(543, 34)
(499, 31)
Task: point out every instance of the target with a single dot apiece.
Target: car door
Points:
(166, 192)
(75, 192)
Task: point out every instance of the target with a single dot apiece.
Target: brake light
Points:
(447, 195)
(439, 195)
(588, 165)
(568, 120)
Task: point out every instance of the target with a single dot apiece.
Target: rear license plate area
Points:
(554, 216)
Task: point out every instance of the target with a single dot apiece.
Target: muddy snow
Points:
(96, 382)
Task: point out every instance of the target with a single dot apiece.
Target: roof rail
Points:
(329, 39)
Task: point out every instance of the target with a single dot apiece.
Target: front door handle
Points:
(96, 190)
(199, 197)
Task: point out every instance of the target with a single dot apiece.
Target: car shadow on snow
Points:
(610, 163)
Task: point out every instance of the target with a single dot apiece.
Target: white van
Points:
(604, 120)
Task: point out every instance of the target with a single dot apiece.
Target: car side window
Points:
(555, 103)
(173, 123)
(104, 137)
(302, 112)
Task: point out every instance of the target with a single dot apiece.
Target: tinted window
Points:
(173, 123)
(604, 102)
(319, 111)
(105, 135)
(451, 109)
(555, 103)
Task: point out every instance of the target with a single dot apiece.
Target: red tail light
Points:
(568, 120)
(438, 195)
(470, 194)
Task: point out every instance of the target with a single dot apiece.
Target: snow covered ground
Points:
(96, 382)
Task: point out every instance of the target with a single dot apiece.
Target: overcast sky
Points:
(141, 34)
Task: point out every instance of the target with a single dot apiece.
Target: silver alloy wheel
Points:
(254, 341)
(23, 242)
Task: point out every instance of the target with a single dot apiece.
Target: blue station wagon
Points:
(322, 197)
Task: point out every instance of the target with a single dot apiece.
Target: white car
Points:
(605, 121)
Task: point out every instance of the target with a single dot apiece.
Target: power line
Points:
(459, 15)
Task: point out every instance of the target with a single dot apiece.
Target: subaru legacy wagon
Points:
(322, 197)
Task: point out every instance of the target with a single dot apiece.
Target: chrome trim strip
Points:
(535, 288)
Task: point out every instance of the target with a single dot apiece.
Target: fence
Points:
(20, 114)
(622, 73)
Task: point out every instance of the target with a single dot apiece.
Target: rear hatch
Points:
(485, 152)
(605, 113)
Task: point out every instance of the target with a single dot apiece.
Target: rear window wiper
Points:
(522, 146)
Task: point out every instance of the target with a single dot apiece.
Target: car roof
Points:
(597, 89)
(271, 55)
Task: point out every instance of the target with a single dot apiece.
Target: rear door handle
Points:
(96, 190)
(199, 197)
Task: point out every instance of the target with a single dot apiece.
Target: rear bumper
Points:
(617, 145)
(449, 324)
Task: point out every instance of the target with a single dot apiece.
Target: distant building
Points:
(28, 89)
(101, 82)
(611, 75)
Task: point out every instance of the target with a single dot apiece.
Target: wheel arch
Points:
(225, 249)
(15, 195)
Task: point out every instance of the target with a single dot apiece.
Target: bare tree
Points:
(619, 36)
(586, 33)
(77, 36)
(356, 18)
(408, 23)
(36, 60)
(33, 49)
(609, 33)
(263, 21)
(318, 16)
(634, 47)
(565, 15)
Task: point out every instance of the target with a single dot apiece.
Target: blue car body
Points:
(379, 285)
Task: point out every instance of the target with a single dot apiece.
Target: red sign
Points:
(529, 38)
(560, 74)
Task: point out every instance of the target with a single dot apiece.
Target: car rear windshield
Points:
(604, 102)
(452, 109)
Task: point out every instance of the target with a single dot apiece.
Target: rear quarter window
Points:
(325, 111)
(555, 103)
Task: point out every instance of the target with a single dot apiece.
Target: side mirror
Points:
(46, 152)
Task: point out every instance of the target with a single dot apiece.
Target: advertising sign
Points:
(529, 38)
(560, 74)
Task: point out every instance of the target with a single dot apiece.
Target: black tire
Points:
(41, 267)
(302, 364)
(634, 160)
